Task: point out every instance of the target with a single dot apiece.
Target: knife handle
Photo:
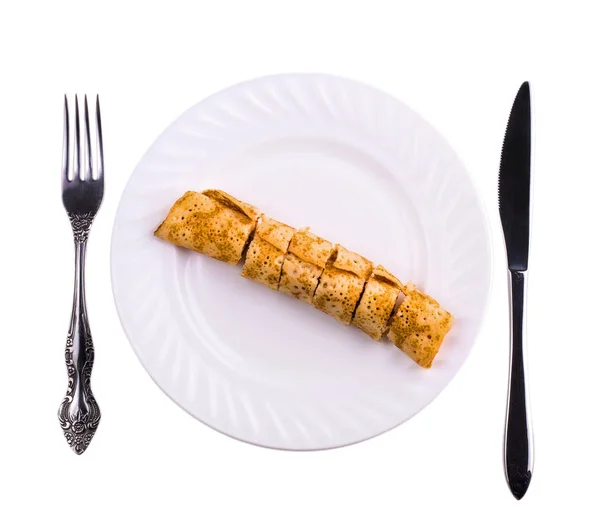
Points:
(518, 441)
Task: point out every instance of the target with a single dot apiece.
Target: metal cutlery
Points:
(82, 192)
(514, 190)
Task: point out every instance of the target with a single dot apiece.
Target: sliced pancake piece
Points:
(266, 253)
(303, 265)
(310, 248)
(419, 326)
(342, 284)
(377, 303)
(212, 223)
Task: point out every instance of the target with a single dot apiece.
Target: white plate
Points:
(359, 168)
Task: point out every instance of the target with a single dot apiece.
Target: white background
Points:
(152, 466)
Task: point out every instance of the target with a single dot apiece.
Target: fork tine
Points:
(100, 149)
(65, 157)
(87, 154)
(76, 145)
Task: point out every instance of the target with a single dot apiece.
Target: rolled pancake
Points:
(266, 253)
(419, 326)
(303, 265)
(342, 283)
(212, 223)
(377, 303)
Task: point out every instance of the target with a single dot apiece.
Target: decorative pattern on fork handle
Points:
(81, 224)
(79, 421)
(79, 414)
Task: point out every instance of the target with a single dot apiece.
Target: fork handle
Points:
(78, 413)
(518, 443)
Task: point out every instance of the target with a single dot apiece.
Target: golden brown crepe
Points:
(419, 326)
(266, 253)
(341, 284)
(335, 280)
(303, 265)
(377, 303)
(212, 223)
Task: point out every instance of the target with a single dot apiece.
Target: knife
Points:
(514, 190)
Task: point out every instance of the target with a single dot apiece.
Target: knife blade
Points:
(514, 194)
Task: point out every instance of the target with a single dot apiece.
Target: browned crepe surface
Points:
(266, 253)
(341, 284)
(212, 223)
(377, 303)
(419, 326)
(307, 256)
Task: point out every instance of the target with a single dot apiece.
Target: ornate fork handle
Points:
(79, 414)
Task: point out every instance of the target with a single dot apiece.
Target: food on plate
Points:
(267, 250)
(342, 283)
(377, 303)
(419, 326)
(335, 280)
(212, 223)
(303, 266)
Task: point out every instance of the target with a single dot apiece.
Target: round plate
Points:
(358, 167)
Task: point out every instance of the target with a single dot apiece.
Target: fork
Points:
(82, 193)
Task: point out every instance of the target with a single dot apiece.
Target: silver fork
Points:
(82, 192)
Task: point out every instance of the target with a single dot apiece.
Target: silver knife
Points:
(514, 190)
